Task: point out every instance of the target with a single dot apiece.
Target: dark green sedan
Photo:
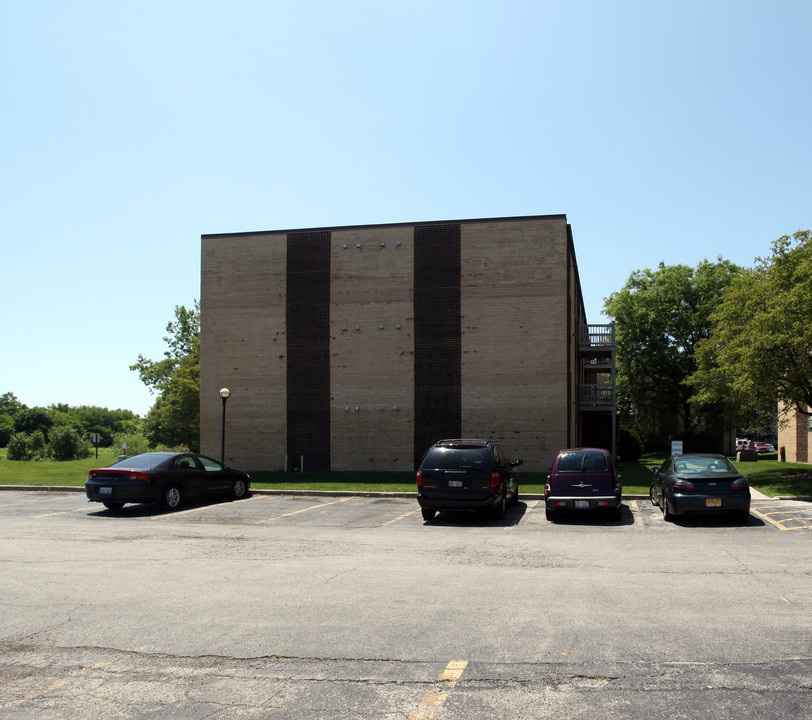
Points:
(700, 484)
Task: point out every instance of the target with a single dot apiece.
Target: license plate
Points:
(105, 491)
(455, 483)
(713, 502)
(582, 504)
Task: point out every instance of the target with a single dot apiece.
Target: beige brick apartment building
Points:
(794, 434)
(355, 348)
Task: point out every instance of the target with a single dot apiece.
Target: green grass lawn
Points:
(767, 475)
(50, 472)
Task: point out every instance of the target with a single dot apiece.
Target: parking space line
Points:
(175, 513)
(56, 684)
(397, 519)
(61, 512)
(296, 512)
(780, 523)
(433, 700)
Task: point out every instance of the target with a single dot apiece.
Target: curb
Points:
(756, 495)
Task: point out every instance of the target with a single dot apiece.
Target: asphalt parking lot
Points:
(348, 607)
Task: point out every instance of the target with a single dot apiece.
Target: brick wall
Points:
(518, 300)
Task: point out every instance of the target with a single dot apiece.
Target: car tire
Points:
(239, 489)
(668, 516)
(615, 514)
(428, 515)
(652, 494)
(550, 514)
(114, 506)
(171, 498)
(499, 508)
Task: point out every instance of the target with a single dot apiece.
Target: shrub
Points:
(68, 444)
(37, 447)
(629, 445)
(6, 429)
(136, 443)
(18, 447)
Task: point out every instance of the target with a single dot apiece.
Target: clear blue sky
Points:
(664, 131)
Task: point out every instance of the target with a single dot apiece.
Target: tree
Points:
(10, 405)
(68, 444)
(6, 429)
(760, 351)
(660, 318)
(174, 419)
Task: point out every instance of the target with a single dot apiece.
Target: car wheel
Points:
(113, 505)
(499, 509)
(551, 514)
(239, 489)
(172, 497)
(668, 516)
(615, 514)
(652, 493)
(428, 514)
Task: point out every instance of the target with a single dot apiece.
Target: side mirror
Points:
(655, 470)
(516, 462)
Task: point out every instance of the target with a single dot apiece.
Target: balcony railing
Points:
(597, 336)
(597, 395)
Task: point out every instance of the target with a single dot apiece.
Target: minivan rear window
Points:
(444, 458)
(577, 460)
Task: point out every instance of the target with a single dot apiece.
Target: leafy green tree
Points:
(66, 443)
(137, 443)
(6, 429)
(28, 420)
(760, 351)
(37, 445)
(18, 447)
(661, 316)
(174, 419)
(9, 404)
(89, 419)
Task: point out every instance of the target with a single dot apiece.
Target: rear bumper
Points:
(439, 501)
(119, 494)
(606, 502)
(688, 505)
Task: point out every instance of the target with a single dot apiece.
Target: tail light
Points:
(138, 475)
(495, 479)
(419, 478)
(683, 486)
(546, 489)
(740, 484)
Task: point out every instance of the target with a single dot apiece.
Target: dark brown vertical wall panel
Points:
(437, 336)
(308, 349)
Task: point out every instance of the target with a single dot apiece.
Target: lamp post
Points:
(224, 393)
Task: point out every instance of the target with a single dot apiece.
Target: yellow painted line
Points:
(433, 700)
(779, 523)
(398, 519)
(56, 684)
(175, 513)
(61, 512)
(296, 512)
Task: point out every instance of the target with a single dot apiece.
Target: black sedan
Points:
(166, 478)
(699, 484)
